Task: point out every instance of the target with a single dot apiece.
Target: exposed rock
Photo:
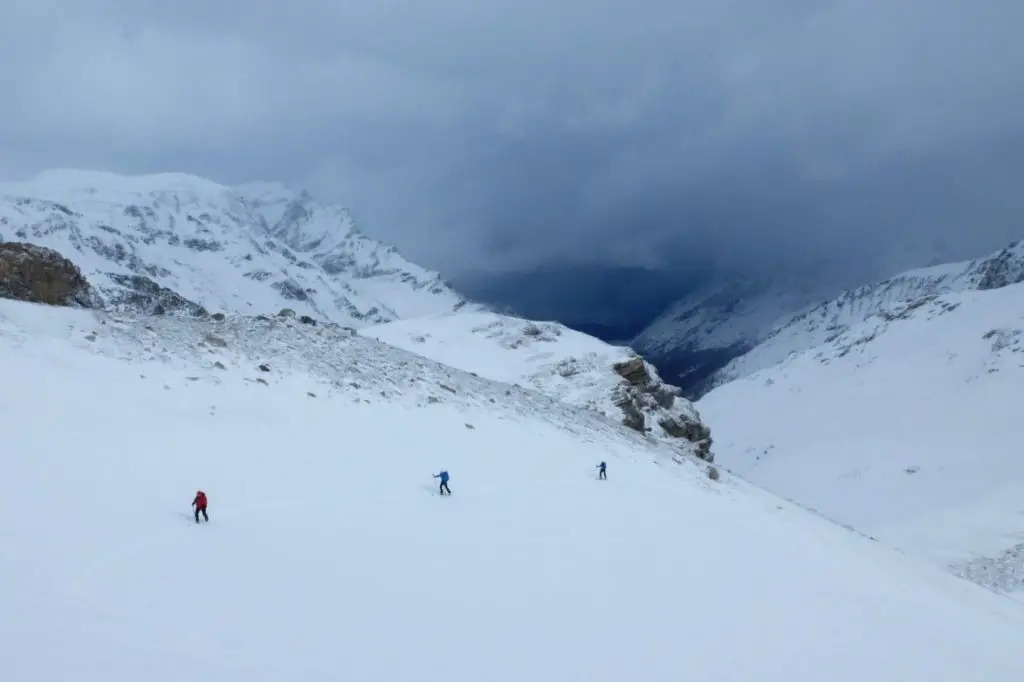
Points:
(264, 367)
(140, 294)
(680, 427)
(286, 312)
(217, 317)
(203, 244)
(665, 395)
(704, 450)
(40, 275)
(291, 289)
(633, 370)
(1002, 269)
(632, 416)
(713, 473)
(306, 319)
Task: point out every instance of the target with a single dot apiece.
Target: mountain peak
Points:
(77, 180)
(258, 247)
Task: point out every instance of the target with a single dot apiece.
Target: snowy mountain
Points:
(329, 554)
(703, 331)
(254, 249)
(823, 322)
(557, 361)
(906, 425)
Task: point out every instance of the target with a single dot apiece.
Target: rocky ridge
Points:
(877, 304)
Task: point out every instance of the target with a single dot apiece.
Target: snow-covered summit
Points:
(826, 321)
(253, 249)
(557, 361)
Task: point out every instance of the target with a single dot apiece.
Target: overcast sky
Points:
(502, 133)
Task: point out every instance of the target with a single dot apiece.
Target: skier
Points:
(200, 504)
(602, 471)
(444, 482)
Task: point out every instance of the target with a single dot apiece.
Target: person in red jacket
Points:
(200, 504)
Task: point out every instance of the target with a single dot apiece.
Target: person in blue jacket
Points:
(602, 470)
(444, 481)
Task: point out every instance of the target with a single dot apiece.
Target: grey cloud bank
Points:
(502, 134)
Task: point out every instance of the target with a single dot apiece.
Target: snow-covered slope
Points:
(329, 555)
(555, 360)
(825, 321)
(906, 426)
(255, 249)
(703, 331)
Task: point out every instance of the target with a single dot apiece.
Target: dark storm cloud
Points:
(503, 133)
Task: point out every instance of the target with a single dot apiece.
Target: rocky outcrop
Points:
(649, 404)
(902, 297)
(633, 370)
(40, 275)
(139, 294)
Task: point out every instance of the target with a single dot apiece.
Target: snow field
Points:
(330, 556)
(907, 430)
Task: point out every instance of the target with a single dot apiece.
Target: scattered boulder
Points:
(568, 368)
(37, 274)
(214, 340)
(286, 312)
(264, 367)
(704, 450)
(306, 319)
(217, 317)
(713, 473)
